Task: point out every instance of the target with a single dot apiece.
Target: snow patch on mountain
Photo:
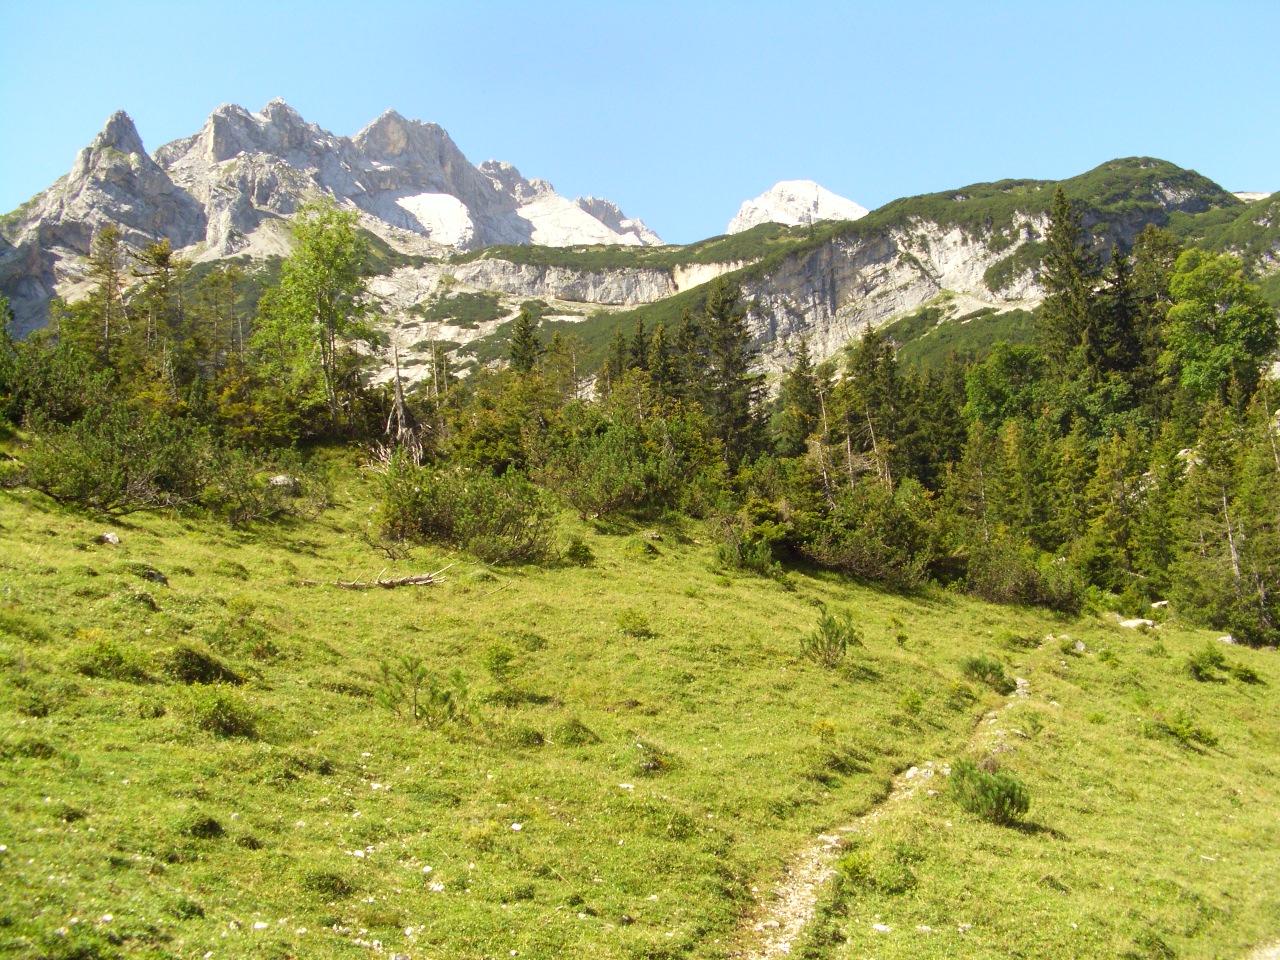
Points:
(443, 218)
(794, 203)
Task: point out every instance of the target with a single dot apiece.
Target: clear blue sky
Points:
(676, 111)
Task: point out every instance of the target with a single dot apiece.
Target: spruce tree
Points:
(638, 348)
(525, 347)
(731, 391)
(662, 368)
(798, 411)
(1069, 275)
(615, 361)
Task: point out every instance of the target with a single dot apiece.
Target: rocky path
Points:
(778, 923)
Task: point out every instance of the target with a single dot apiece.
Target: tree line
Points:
(1129, 456)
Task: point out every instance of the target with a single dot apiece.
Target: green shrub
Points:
(830, 642)
(1205, 662)
(523, 736)
(996, 797)
(1008, 572)
(186, 664)
(1180, 725)
(960, 695)
(216, 710)
(329, 885)
(118, 461)
(633, 623)
(572, 732)
(498, 519)
(199, 826)
(989, 671)
(424, 696)
(577, 552)
(109, 661)
(243, 486)
(499, 660)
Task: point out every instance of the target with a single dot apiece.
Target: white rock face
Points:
(442, 218)
(794, 202)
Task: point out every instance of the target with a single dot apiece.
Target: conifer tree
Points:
(797, 411)
(731, 392)
(662, 368)
(525, 347)
(638, 348)
(615, 361)
(1069, 275)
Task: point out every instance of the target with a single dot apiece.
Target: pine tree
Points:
(615, 361)
(98, 324)
(662, 368)
(797, 413)
(1069, 275)
(690, 361)
(525, 348)
(731, 392)
(638, 348)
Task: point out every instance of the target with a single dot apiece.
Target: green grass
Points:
(927, 337)
(1138, 843)
(748, 245)
(657, 775)
(462, 309)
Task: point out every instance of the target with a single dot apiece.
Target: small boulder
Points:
(1138, 623)
(1227, 639)
(1159, 604)
(284, 482)
(110, 538)
(1079, 646)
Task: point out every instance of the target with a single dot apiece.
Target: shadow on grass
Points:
(1033, 829)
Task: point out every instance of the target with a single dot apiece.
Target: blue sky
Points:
(678, 112)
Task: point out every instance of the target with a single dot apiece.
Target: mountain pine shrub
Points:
(995, 796)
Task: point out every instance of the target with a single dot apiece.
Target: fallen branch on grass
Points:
(417, 580)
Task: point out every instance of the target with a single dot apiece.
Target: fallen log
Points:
(415, 580)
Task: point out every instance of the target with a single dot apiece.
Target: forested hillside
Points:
(563, 659)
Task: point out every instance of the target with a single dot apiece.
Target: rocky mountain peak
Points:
(794, 202)
(392, 136)
(119, 133)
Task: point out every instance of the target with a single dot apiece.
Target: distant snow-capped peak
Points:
(794, 202)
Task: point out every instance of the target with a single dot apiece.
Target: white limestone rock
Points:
(794, 203)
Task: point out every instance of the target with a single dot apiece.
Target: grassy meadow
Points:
(619, 754)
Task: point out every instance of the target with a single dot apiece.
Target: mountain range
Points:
(462, 247)
(228, 189)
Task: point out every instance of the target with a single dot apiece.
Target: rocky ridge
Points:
(227, 190)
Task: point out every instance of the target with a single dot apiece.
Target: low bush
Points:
(1006, 572)
(1203, 664)
(105, 660)
(995, 796)
(243, 486)
(498, 519)
(218, 711)
(189, 665)
(573, 733)
(117, 461)
(424, 696)
(989, 671)
(830, 642)
(633, 623)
